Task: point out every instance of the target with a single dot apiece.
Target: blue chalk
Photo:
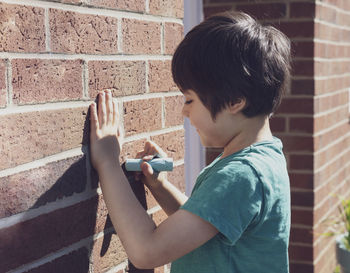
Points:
(158, 164)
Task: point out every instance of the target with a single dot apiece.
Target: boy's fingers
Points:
(153, 148)
(102, 109)
(109, 106)
(93, 118)
(115, 113)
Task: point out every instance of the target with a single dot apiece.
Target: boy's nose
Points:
(184, 111)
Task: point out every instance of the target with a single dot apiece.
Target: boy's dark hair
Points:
(230, 56)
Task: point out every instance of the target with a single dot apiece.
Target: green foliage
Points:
(341, 224)
(337, 269)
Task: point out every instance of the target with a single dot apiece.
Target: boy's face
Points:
(212, 133)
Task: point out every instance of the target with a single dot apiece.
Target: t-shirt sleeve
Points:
(229, 198)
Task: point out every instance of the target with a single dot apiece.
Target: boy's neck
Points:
(255, 130)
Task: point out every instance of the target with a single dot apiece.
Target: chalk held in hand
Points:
(157, 164)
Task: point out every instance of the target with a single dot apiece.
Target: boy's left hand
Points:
(105, 134)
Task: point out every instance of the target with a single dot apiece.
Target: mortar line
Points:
(21, 109)
(87, 57)
(47, 30)
(9, 85)
(41, 162)
(74, 199)
(85, 79)
(100, 11)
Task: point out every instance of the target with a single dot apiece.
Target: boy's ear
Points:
(239, 105)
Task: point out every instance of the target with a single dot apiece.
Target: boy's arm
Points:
(147, 246)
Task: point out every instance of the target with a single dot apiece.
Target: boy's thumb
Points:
(146, 169)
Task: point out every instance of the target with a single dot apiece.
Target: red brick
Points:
(177, 177)
(142, 116)
(327, 103)
(302, 9)
(141, 37)
(303, 68)
(173, 111)
(159, 216)
(293, 105)
(30, 240)
(302, 198)
(159, 76)
(76, 261)
(172, 143)
(302, 216)
(3, 90)
(25, 137)
(328, 137)
(173, 34)
(301, 125)
(296, 267)
(302, 86)
(296, 29)
(301, 180)
(107, 252)
(130, 149)
(325, 121)
(278, 124)
(303, 49)
(38, 81)
(22, 28)
(34, 188)
(301, 161)
(211, 10)
(123, 78)
(170, 8)
(301, 235)
(264, 11)
(135, 5)
(82, 33)
(295, 143)
(300, 253)
(159, 269)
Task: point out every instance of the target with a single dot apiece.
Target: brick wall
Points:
(313, 120)
(54, 58)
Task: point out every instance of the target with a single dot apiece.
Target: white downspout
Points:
(194, 151)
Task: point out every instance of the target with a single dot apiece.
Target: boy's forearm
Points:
(132, 223)
(168, 197)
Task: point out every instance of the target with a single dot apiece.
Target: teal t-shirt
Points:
(246, 196)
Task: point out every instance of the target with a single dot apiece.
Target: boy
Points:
(232, 72)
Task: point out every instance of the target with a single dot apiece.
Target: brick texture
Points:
(74, 262)
(160, 78)
(173, 110)
(123, 78)
(141, 37)
(135, 5)
(44, 234)
(38, 81)
(172, 36)
(37, 187)
(21, 29)
(56, 55)
(171, 8)
(3, 85)
(142, 116)
(29, 136)
(106, 252)
(81, 33)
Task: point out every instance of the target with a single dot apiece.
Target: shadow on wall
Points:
(62, 239)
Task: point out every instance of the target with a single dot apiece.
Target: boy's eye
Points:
(188, 101)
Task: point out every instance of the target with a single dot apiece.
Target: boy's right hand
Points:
(150, 178)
